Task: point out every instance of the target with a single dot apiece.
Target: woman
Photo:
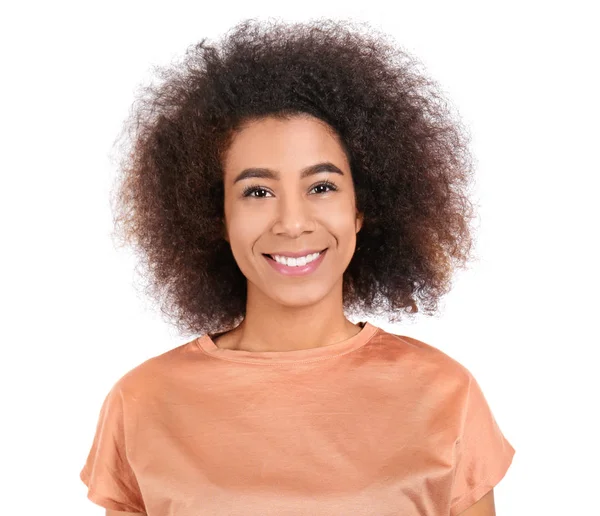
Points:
(279, 182)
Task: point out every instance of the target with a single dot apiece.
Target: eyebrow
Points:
(267, 173)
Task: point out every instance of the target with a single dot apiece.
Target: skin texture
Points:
(290, 214)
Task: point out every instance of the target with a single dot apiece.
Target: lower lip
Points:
(297, 271)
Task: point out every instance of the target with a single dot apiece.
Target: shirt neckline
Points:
(208, 346)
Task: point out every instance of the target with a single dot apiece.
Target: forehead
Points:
(295, 142)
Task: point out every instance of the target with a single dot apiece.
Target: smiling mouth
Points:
(295, 261)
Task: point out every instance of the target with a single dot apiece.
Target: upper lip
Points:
(298, 254)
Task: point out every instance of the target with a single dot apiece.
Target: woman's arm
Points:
(483, 507)
(120, 513)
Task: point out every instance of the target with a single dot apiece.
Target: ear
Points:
(359, 221)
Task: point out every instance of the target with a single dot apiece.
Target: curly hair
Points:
(408, 154)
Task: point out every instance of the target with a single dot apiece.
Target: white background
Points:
(523, 318)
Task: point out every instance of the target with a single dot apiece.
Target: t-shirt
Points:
(378, 424)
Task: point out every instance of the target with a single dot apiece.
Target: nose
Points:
(293, 217)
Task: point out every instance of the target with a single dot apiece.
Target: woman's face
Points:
(289, 191)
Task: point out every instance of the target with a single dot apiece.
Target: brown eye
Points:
(249, 191)
(325, 187)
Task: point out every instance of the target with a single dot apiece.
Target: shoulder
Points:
(157, 373)
(426, 361)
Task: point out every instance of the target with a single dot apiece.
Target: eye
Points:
(258, 192)
(325, 186)
(252, 189)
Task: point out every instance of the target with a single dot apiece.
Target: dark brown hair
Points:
(408, 155)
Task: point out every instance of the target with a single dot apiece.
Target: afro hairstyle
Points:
(408, 154)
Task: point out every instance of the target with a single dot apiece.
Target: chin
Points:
(299, 298)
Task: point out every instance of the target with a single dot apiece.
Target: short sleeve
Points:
(483, 453)
(107, 473)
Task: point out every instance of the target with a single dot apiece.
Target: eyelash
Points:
(254, 188)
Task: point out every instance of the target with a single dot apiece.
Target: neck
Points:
(270, 326)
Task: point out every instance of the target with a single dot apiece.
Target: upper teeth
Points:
(295, 262)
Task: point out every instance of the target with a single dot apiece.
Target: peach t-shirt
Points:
(378, 424)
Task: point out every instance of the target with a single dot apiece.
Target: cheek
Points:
(244, 230)
(342, 224)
